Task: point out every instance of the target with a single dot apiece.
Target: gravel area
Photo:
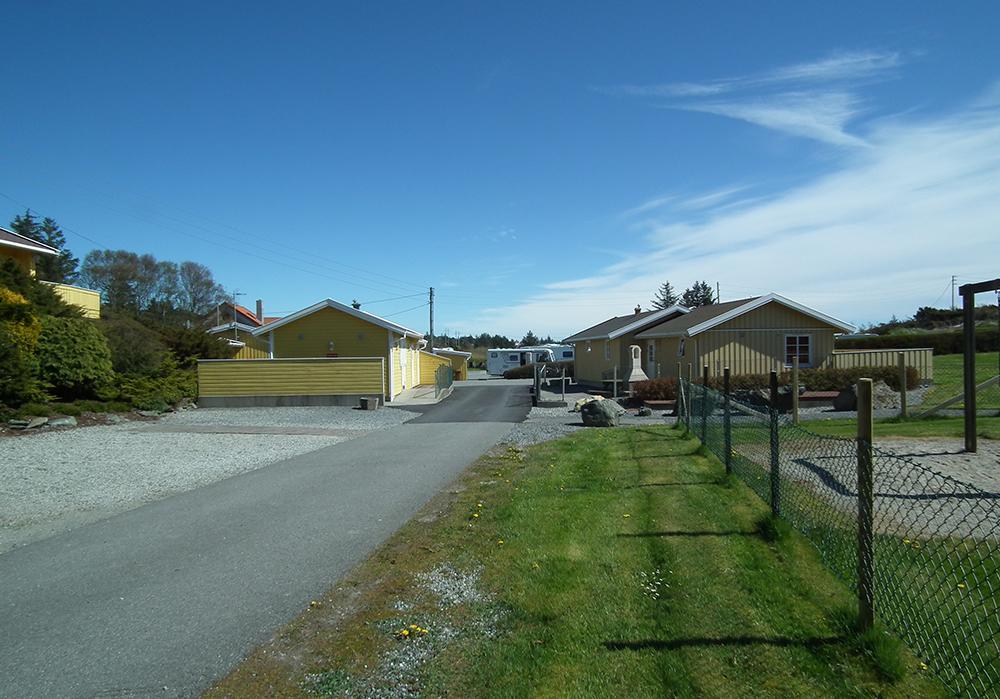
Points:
(57, 480)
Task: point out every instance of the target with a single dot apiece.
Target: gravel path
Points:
(57, 480)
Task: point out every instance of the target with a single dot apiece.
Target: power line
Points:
(62, 227)
(399, 313)
(394, 298)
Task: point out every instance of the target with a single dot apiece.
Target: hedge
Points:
(823, 379)
(664, 388)
(73, 358)
(527, 371)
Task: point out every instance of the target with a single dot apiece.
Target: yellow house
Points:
(334, 330)
(602, 351)
(750, 336)
(24, 250)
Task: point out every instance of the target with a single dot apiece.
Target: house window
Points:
(567, 354)
(798, 346)
(680, 347)
(513, 357)
(607, 350)
(494, 355)
(651, 351)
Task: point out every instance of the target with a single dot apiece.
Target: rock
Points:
(578, 406)
(148, 413)
(37, 422)
(645, 412)
(115, 419)
(17, 424)
(68, 421)
(601, 413)
(846, 400)
(883, 397)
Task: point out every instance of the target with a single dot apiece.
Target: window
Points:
(798, 346)
(680, 347)
(588, 346)
(607, 350)
(513, 357)
(494, 355)
(567, 354)
(651, 351)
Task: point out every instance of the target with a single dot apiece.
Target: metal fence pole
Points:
(866, 506)
(681, 403)
(727, 428)
(564, 384)
(969, 364)
(903, 412)
(704, 403)
(614, 384)
(775, 473)
(795, 390)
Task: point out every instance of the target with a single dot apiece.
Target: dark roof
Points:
(7, 236)
(609, 326)
(697, 316)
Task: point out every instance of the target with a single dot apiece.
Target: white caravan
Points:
(499, 360)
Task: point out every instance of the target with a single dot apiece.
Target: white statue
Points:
(635, 372)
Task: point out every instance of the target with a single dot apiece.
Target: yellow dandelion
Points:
(479, 504)
(923, 666)
(535, 565)
(626, 515)
(499, 542)
(475, 514)
(906, 541)
(961, 586)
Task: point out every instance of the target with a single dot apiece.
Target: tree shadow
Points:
(731, 532)
(679, 643)
(673, 484)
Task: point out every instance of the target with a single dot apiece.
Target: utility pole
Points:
(236, 294)
(430, 342)
(953, 292)
(718, 294)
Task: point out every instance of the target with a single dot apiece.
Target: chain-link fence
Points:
(444, 377)
(936, 571)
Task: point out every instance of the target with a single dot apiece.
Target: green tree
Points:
(74, 360)
(60, 268)
(529, 340)
(19, 331)
(198, 291)
(43, 299)
(699, 294)
(26, 225)
(665, 297)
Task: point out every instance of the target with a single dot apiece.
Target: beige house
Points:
(750, 336)
(602, 350)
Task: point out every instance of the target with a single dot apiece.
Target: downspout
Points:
(388, 358)
(270, 345)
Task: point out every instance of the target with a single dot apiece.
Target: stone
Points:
(115, 419)
(148, 413)
(846, 400)
(884, 397)
(17, 424)
(37, 422)
(578, 406)
(645, 412)
(601, 413)
(68, 421)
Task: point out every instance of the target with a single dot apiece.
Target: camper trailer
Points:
(499, 360)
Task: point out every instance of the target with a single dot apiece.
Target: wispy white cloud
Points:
(878, 236)
(820, 116)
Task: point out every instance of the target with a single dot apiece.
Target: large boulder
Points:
(846, 400)
(884, 397)
(601, 413)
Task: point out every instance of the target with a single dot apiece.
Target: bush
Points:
(159, 392)
(528, 370)
(73, 358)
(42, 298)
(19, 332)
(828, 379)
(188, 346)
(664, 388)
(941, 341)
(135, 347)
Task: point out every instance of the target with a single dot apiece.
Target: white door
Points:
(651, 359)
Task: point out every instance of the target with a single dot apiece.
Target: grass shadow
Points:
(733, 641)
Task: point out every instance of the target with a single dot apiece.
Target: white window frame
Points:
(798, 350)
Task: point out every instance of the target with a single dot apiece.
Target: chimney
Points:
(260, 311)
(638, 309)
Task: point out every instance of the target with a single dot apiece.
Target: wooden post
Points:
(564, 385)
(727, 428)
(901, 357)
(795, 390)
(866, 507)
(704, 403)
(775, 462)
(969, 328)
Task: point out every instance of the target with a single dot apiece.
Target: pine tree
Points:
(26, 225)
(699, 294)
(529, 340)
(61, 268)
(665, 297)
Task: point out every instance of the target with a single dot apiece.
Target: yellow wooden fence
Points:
(335, 376)
(922, 359)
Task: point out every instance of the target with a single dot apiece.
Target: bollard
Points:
(775, 473)
(727, 428)
(866, 509)
(902, 384)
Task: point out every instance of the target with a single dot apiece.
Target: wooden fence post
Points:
(866, 506)
(903, 412)
(704, 403)
(795, 390)
(775, 463)
(727, 428)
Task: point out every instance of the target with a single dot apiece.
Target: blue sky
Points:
(541, 168)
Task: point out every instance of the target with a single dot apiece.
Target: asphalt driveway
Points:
(164, 599)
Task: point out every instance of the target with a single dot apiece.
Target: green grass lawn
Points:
(611, 563)
(946, 427)
(948, 373)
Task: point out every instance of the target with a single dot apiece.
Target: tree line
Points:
(698, 294)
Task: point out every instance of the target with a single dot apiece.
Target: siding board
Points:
(280, 377)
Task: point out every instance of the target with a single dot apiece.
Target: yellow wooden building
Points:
(750, 336)
(331, 329)
(459, 361)
(24, 251)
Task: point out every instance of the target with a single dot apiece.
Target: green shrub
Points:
(19, 332)
(73, 358)
(188, 345)
(664, 388)
(135, 347)
(159, 392)
(828, 379)
(527, 371)
(34, 410)
(41, 297)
